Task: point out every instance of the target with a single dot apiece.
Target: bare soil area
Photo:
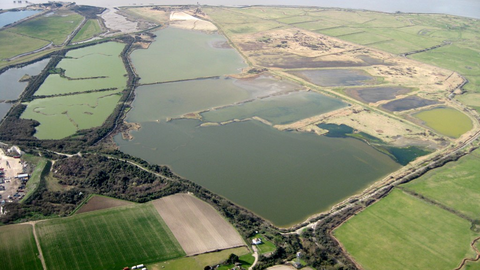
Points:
(187, 21)
(118, 23)
(101, 202)
(9, 183)
(198, 227)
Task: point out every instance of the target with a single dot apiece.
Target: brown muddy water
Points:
(408, 103)
(335, 77)
(375, 94)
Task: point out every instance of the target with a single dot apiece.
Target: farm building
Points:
(256, 241)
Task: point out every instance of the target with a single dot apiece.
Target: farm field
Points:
(52, 27)
(246, 261)
(464, 58)
(200, 261)
(99, 202)
(71, 113)
(107, 239)
(18, 249)
(13, 44)
(455, 185)
(404, 232)
(198, 227)
(89, 30)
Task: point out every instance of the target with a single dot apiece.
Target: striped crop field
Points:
(107, 239)
(18, 249)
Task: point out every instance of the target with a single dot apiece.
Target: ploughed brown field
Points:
(100, 202)
(198, 227)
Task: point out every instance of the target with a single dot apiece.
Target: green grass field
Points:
(246, 261)
(461, 58)
(473, 265)
(36, 175)
(18, 249)
(54, 27)
(12, 44)
(404, 232)
(266, 245)
(200, 261)
(107, 239)
(455, 185)
(235, 22)
(89, 30)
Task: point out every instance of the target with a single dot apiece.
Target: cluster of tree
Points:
(112, 177)
(43, 205)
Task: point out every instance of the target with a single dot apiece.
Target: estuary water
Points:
(282, 176)
(465, 8)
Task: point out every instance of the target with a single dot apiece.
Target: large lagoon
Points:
(282, 176)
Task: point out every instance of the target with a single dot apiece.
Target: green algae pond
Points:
(60, 117)
(92, 68)
(86, 69)
(447, 121)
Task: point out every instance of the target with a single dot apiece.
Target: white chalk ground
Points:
(118, 23)
(186, 21)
